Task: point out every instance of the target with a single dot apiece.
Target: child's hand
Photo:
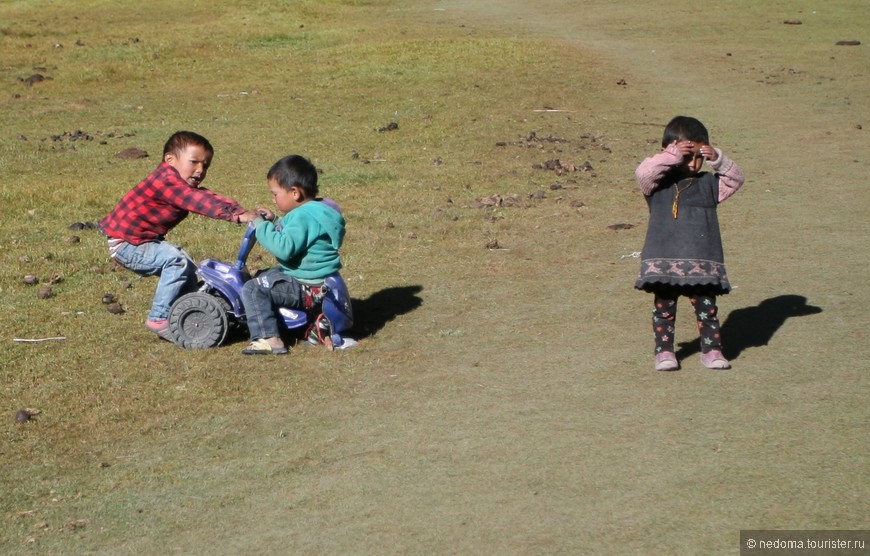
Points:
(266, 214)
(708, 152)
(684, 148)
(247, 216)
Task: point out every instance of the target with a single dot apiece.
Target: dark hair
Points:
(180, 140)
(685, 128)
(295, 171)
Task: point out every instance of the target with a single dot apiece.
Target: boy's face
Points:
(192, 163)
(286, 200)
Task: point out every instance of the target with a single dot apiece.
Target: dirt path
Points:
(542, 438)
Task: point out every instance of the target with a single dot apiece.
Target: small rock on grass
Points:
(25, 415)
(132, 153)
(35, 78)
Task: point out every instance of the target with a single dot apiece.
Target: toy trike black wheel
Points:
(199, 320)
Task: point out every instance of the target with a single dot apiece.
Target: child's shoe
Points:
(666, 361)
(715, 360)
(159, 327)
(261, 347)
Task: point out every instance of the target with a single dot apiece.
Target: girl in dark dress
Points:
(682, 254)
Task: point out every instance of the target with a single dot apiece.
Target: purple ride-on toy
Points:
(202, 319)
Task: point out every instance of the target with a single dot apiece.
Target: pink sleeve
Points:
(730, 175)
(650, 172)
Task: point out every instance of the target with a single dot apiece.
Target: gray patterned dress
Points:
(684, 253)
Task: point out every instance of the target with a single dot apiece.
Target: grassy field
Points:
(501, 400)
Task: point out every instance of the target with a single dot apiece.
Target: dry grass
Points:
(501, 399)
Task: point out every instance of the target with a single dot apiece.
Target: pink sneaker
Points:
(715, 360)
(159, 327)
(666, 361)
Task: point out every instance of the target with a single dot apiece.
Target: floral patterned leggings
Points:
(665, 313)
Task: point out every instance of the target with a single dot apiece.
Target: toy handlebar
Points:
(248, 243)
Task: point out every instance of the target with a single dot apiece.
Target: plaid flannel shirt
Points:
(162, 200)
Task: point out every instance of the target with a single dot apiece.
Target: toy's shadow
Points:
(755, 326)
(372, 314)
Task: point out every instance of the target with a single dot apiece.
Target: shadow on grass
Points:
(755, 326)
(372, 314)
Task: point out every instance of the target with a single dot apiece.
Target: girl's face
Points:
(192, 163)
(693, 160)
(286, 200)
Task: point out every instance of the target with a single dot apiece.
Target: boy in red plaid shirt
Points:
(138, 224)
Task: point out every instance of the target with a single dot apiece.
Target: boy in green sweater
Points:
(305, 244)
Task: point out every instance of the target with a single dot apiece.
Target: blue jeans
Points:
(175, 268)
(263, 295)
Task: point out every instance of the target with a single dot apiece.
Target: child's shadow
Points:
(372, 314)
(755, 326)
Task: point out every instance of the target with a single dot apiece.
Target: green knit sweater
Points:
(306, 245)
